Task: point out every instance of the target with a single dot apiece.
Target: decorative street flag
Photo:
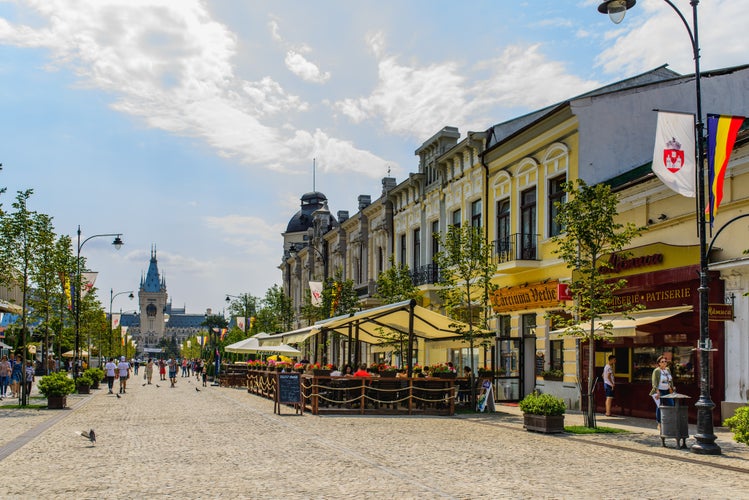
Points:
(65, 282)
(240, 322)
(721, 135)
(315, 289)
(223, 333)
(673, 156)
(87, 282)
(115, 320)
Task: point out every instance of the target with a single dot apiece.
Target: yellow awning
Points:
(626, 327)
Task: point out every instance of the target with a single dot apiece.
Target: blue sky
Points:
(192, 125)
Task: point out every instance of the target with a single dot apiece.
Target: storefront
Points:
(668, 325)
(515, 353)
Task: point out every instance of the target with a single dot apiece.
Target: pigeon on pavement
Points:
(90, 435)
(197, 389)
(118, 396)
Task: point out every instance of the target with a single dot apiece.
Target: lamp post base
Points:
(705, 436)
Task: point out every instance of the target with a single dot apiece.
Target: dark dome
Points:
(302, 220)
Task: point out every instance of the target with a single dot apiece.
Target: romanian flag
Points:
(223, 333)
(721, 136)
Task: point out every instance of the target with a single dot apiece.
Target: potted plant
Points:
(83, 384)
(442, 371)
(739, 425)
(56, 388)
(552, 374)
(322, 370)
(96, 375)
(543, 413)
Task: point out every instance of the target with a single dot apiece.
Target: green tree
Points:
(20, 233)
(590, 233)
(466, 269)
(65, 264)
(395, 285)
(244, 306)
(44, 274)
(276, 313)
(213, 323)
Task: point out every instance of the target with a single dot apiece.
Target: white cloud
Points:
(652, 35)
(172, 65)
(304, 69)
(416, 101)
(523, 77)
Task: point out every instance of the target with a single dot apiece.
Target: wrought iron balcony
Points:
(425, 275)
(518, 246)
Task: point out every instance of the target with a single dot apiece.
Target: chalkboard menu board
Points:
(289, 389)
(539, 363)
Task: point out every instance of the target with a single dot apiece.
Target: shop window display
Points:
(681, 363)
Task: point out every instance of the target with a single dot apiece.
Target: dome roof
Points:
(303, 219)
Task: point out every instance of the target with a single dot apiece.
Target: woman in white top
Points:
(663, 383)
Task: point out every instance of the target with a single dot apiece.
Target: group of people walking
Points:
(117, 370)
(13, 374)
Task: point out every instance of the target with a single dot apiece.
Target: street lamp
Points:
(705, 436)
(112, 296)
(117, 245)
(294, 249)
(248, 301)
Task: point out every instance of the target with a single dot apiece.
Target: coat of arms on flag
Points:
(674, 153)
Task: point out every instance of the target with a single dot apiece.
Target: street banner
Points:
(673, 156)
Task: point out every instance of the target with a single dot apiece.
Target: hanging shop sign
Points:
(533, 296)
(720, 312)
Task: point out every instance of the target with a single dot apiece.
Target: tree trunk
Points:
(590, 417)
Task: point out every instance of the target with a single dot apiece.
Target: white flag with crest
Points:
(116, 320)
(240, 322)
(87, 282)
(673, 157)
(315, 289)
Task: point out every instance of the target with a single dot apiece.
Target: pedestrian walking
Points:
(111, 370)
(184, 367)
(608, 383)
(172, 364)
(162, 370)
(29, 378)
(16, 375)
(149, 370)
(5, 370)
(124, 372)
(136, 364)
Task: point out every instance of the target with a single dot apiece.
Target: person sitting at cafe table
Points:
(335, 372)
(362, 371)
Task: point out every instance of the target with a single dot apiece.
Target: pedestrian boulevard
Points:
(213, 442)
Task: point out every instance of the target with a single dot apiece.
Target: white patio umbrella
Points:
(278, 349)
(247, 345)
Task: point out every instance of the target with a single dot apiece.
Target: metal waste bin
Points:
(675, 419)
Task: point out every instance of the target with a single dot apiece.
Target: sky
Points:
(192, 127)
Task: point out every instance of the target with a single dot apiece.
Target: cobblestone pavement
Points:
(155, 442)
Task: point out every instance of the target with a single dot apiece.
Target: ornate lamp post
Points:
(705, 445)
(117, 245)
(112, 296)
(249, 305)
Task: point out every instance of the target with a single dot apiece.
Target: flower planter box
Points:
(57, 402)
(553, 378)
(446, 375)
(319, 372)
(547, 424)
(84, 389)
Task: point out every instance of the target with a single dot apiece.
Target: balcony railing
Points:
(425, 275)
(518, 246)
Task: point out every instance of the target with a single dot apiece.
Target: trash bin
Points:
(675, 419)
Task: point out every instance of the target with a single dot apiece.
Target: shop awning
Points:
(9, 307)
(626, 327)
(376, 325)
(292, 337)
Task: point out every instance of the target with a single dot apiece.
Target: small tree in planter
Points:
(83, 384)
(96, 375)
(543, 413)
(739, 425)
(56, 388)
